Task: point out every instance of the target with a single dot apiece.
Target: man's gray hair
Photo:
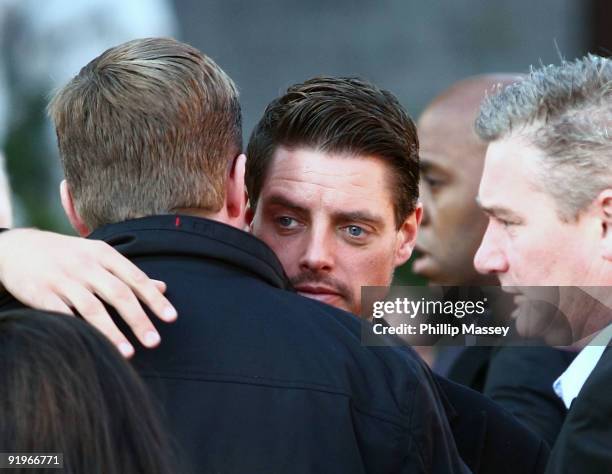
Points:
(566, 111)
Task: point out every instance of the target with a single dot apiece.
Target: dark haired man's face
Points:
(330, 220)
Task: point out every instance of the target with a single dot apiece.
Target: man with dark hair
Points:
(254, 378)
(339, 116)
(547, 189)
(332, 176)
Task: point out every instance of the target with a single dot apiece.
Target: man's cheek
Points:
(272, 239)
(288, 260)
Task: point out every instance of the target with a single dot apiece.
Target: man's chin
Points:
(425, 266)
(431, 272)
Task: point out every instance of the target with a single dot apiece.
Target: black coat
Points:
(490, 440)
(584, 445)
(519, 379)
(256, 379)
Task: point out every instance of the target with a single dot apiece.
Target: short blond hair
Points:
(147, 127)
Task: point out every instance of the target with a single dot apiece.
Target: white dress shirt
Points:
(568, 385)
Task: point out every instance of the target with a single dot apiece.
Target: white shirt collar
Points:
(568, 385)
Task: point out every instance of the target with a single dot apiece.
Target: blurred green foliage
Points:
(30, 165)
(404, 276)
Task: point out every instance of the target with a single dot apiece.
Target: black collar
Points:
(196, 237)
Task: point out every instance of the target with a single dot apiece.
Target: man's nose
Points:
(489, 258)
(319, 253)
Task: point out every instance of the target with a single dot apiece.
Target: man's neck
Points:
(220, 216)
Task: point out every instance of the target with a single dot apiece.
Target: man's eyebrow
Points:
(359, 216)
(280, 200)
(340, 216)
(431, 166)
(425, 164)
(498, 211)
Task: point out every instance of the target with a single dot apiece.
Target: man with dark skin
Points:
(452, 157)
(451, 160)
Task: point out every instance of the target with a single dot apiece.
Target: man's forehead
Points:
(513, 156)
(450, 143)
(310, 176)
(510, 173)
(440, 121)
(335, 169)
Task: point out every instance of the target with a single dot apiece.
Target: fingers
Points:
(160, 285)
(52, 302)
(112, 290)
(149, 291)
(57, 273)
(94, 312)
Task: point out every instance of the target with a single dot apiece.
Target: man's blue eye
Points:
(355, 230)
(285, 221)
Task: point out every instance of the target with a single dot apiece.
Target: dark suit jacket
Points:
(254, 378)
(465, 365)
(519, 379)
(584, 445)
(489, 439)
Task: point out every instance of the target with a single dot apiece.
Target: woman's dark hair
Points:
(65, 389)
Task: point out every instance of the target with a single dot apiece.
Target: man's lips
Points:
(323, 294)
(316, 290)
(519, 299)
(422, 262)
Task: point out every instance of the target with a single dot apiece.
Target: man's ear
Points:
(407, 235)
(236, 199)
(68, 205)
(604, 209)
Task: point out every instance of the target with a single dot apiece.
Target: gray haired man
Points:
(547, 189)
